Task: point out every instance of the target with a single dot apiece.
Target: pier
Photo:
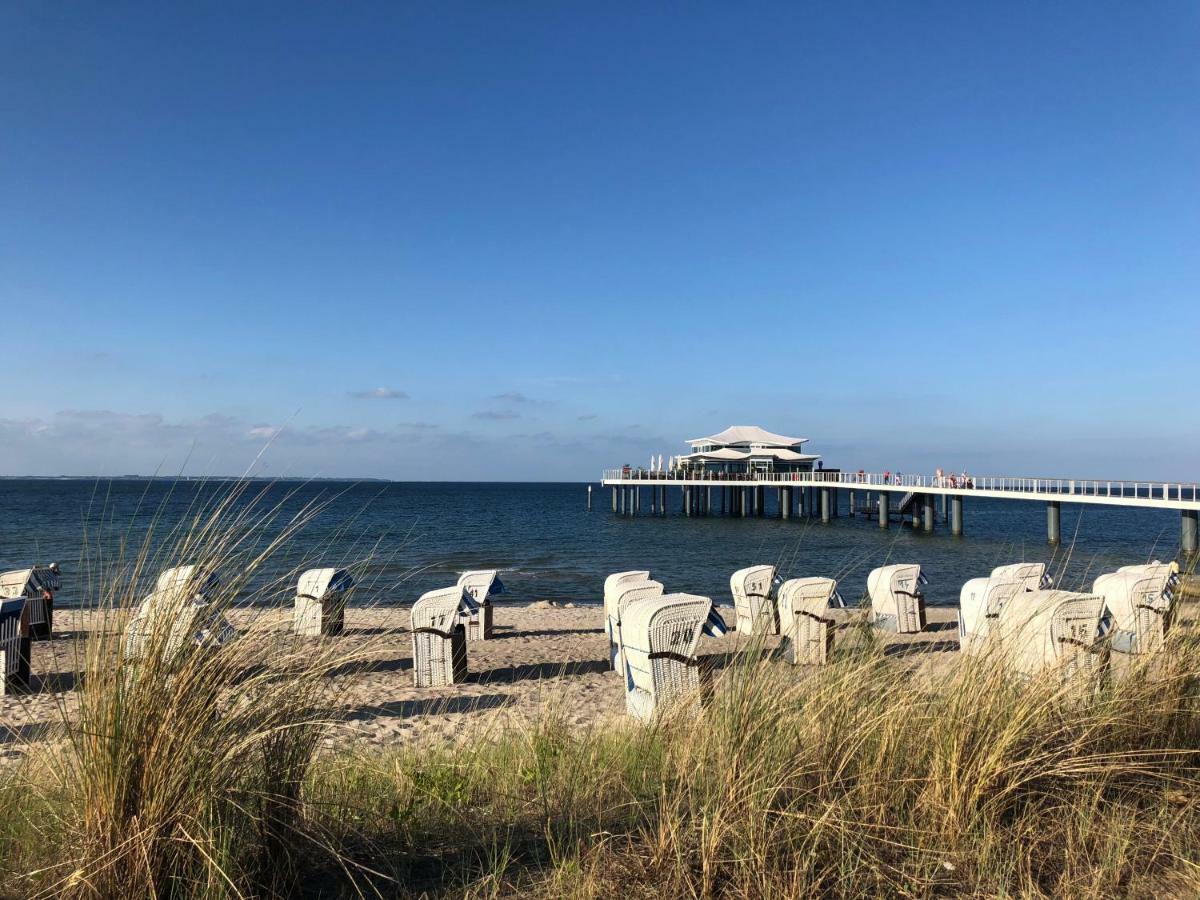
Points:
(818, 493)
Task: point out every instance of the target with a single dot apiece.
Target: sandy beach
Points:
(543, 656)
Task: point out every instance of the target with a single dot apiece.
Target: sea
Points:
(401, 539)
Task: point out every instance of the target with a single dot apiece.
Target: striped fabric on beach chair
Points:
(14, 645)
(897, 603)
(481, 584)
(807, 633)
(37, 586)
(1050, 630)
(321, 596)
(627, 593)
(439, 635)
(754, 607)
(660, 637)
(1139, 601)
(180, 613)
(981, 599)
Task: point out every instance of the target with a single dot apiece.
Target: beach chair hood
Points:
(753, 590)
(481, 583)
(1139, 602)
(202, 583)
(1052, 629)
(896, 598)
(30, 582)
(318, 583)
(804, 597)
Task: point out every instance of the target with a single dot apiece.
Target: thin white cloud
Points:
(380, 393)
(496, 415)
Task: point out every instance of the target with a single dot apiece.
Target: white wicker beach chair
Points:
(626, 593)
(754, 607)
(1139, 601)
(439, 633)
(481, 584)
(178, 614)
(611, 584)
(897, 603)
(321, 596)
(807, 633)
(1053, 630)
(981, 599)
(14, 645)
(37, 586)
(660, 636)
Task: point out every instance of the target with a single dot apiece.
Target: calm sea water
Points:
(417, 536)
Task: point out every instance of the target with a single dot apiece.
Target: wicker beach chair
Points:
(807, 633)
(611, 584)
(1052, 630)
(481, 584)
(660, 636)
(981, 599)
(179, 613)
(439, 634)
(14, 645)
(897, 603)
(321, 596)
(626, 593)
(1139, 601)
(37, 586)
(754, 607)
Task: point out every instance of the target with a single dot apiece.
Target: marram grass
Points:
(211, 777)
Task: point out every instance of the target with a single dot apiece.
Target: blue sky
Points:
(525, 241)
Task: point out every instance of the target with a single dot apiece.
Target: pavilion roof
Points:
(745, 435)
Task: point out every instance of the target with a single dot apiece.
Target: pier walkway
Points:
(807, 492)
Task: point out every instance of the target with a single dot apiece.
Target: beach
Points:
(544, 656)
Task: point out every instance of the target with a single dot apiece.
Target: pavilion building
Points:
(747, 450)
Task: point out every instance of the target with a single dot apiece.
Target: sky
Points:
(523, 241)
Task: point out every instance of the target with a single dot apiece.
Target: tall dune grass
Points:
(847, 782)
(209, 775)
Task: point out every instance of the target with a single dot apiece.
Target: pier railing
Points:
(1052, 488)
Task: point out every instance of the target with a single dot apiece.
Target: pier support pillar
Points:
(825, 504)
(1053, 522)
(885, 501)
(956, 514)
(708, 500)
(687, 501)
(930, 512)
(853, 500)
(614, 490)
(785, 503)
(1190, 532)
(945, 507)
